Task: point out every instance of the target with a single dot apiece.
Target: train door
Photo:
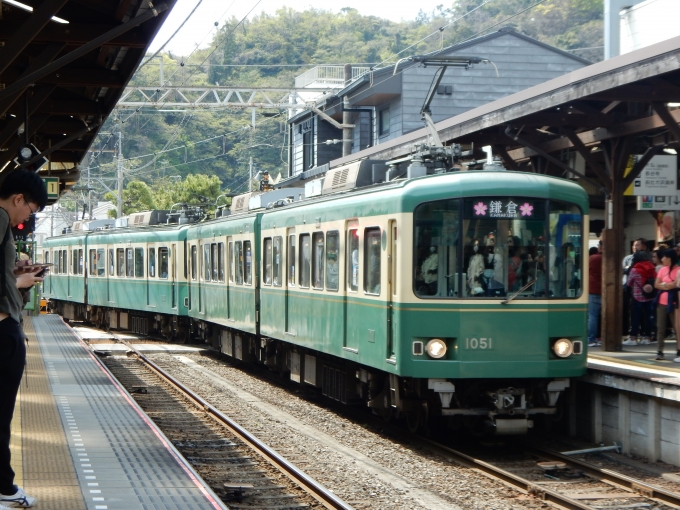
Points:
(290, 276)
(151, 274)
(391, 283)
(110, 269)
(352, 274)
(172, 262)
(230, 275)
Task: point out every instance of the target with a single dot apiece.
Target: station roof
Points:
(64, 64)
(624, 97)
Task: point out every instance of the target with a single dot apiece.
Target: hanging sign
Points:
(659, 177)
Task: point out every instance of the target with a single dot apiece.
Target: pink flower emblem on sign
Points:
(526, 209)
(480, 209)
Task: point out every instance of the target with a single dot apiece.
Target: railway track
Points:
(573, 484)
(218, 448)
(567, 482)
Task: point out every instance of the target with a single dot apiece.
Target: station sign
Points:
(52, 184)
(659, 203)
(659, 177)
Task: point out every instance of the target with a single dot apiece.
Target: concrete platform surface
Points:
(83, 443)
(637, 360)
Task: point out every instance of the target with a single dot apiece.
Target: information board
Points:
(52, 184)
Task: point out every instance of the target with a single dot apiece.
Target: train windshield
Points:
(496, 247)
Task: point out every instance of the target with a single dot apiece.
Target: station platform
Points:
(79, 441)
(636, 360)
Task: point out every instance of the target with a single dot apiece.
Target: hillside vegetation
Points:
(270, 50)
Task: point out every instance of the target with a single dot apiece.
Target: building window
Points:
(306, 129)
(384, 122)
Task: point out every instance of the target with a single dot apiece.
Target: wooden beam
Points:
(59, 107)
(641, 164)
(47, 55)
(633, 127)
(564, 118)
(36, 21)
(588, 156)
(40, 95)
(662, 111)
(508, 162)
(76, 34)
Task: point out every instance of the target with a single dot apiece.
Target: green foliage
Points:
(137, 196)
(196, 189)
(269, 50)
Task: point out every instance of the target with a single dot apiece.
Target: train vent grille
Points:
(139, 220)
(340, 178)
(239, 202)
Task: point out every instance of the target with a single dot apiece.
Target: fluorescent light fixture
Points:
(28, 8)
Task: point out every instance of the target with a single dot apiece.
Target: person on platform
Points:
(594, 295)
(642, 313)
(638, 244)
(22, 194)
(668, 295)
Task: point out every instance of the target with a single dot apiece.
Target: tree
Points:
(137, 197)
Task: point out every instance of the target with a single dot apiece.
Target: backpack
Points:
(648, 290)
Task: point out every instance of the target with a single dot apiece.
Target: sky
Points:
(200, 28)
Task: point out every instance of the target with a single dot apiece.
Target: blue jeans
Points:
(642, 311)
(594, 307)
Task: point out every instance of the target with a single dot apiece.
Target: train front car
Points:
(493, 324)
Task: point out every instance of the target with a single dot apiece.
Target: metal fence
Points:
(331, 76)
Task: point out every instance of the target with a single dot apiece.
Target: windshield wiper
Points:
(519, 291)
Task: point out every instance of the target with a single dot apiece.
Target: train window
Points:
(206, 262)
(317, 259)
(372, 261)
(101, 262)
(112, 262)
(231, 261)
(220, 262)
(291, 261)
(93, 262)
(139, 262)
(163, 257)
(305, 260)
(435, 257)
(353, 260)
(247, 263)
(58, 261)
(120, 259)
(276, 262)
(332, 262)
(267, 262)
(129, 263)
(565, 251)
(213, 261)
(238, 262)
(64, 261)
(74, 262)
(81, 261)
(46, 257)
(152, 262)
(194, 261)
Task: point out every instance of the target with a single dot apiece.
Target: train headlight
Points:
(563, 348)
(436, 348)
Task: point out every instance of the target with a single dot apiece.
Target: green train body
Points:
(459, 295)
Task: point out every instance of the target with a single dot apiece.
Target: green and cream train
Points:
(456, 296)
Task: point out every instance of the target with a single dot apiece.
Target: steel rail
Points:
(308, 484)
(516, 481)
(643, 488)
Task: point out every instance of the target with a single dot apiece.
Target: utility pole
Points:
(120, 175)
(250, 180)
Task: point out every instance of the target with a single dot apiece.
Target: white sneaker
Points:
(18, 500)
(630, 341)
(645, 341)
(677, 360)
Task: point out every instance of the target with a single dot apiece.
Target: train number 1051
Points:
(478, 343)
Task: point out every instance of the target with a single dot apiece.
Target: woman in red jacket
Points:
(641, 272)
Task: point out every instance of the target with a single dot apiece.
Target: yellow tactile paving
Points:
(47, 470)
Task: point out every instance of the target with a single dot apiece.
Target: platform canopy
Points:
(63, 66)
(606, 112)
